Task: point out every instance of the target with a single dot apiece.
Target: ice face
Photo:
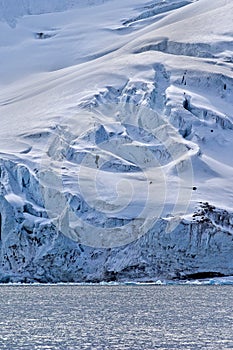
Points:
(116, 122)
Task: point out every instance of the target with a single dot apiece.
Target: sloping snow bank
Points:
(10, 10)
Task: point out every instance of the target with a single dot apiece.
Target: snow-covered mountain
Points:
(116, 139)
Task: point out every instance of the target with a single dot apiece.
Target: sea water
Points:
(116, 317)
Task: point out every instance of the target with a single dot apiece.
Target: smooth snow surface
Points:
(116, 122)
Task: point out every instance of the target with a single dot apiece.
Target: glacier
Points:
(116, 140)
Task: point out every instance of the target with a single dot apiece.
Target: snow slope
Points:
(116, 139)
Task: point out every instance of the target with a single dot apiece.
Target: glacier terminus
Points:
(116, 140)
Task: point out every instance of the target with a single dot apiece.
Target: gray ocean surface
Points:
(116, 317)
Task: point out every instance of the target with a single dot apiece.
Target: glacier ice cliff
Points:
(129, 141)
(32, 249)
